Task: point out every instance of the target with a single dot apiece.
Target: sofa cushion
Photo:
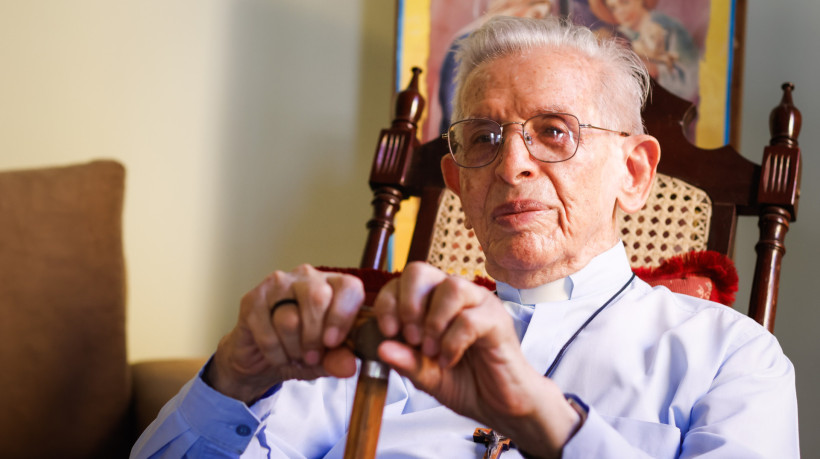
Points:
(62, 301)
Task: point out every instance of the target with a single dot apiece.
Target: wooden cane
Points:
(371, 389)
(392, 163)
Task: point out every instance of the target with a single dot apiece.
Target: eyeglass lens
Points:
(548, 137)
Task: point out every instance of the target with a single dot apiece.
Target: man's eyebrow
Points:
(551, 109)
(554, 108)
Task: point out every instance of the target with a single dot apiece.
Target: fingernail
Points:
(412, 334)
(389, 326)
(429, 347)
(331, 337)
(312, 357)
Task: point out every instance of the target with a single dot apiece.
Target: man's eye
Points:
(483, 138)
(553, 132)
(550, 133)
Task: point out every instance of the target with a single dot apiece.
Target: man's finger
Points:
(340, 362)
(348, 296)
(422, 371)
(385, 306)
(486, 325)
(314, 295)
(415, 286)
(287, 324)
(255, 314)
(448, 299)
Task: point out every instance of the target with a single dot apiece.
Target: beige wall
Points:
(242, 122)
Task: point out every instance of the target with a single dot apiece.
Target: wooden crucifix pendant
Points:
(495, 443)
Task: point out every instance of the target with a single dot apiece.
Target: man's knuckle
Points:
(319, 294)
(435, 327)
(349, 282)
(247, 302)
(268, 343)
(416, 268)
(278, 277)
(287, 323)
(304, 269)
(452, 284)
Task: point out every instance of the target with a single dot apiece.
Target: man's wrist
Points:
(214, 375)
(581, 408)
(205, 374)
(553, 425)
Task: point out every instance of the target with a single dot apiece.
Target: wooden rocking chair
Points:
(697, 199)
(694, 206)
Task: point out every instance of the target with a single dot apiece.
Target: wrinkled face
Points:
(540, 221)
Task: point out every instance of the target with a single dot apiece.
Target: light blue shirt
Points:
(663, 375)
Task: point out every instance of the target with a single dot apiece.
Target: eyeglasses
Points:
(549, 137)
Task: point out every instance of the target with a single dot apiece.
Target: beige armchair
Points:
(66, 388)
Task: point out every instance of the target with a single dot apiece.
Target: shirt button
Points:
(242, 430)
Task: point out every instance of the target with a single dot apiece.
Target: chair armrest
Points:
(156, 382)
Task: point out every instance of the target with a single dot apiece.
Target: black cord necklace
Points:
(495, 443)
(563, 350)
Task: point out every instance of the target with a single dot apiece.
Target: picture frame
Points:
(427, 29)
(712, 64)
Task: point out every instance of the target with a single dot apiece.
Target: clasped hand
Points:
(457, 342)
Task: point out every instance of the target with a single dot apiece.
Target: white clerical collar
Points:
(604, 270)
(557, 290)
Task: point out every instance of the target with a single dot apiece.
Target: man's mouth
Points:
(517, 211)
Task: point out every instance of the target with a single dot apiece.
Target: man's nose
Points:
(515, 161)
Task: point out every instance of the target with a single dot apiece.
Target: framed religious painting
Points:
(694, 49)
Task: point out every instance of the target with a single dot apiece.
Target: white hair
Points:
(622, 76)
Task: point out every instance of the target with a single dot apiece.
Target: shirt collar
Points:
(557, 290)
(606, 268)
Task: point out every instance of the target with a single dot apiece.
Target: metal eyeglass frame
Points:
(446, 136)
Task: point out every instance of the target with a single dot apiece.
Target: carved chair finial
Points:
(785, 119)
(409, 102)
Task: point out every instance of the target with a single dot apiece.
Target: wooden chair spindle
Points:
(778, 196)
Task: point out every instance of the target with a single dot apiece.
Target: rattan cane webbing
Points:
(454, 249)
(675, 219)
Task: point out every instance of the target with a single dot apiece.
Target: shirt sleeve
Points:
(296, 419)
(199, 422)
(749, 410)
(597, 438)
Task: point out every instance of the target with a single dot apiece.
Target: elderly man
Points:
(571, 356)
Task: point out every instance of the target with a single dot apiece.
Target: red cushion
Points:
(707, 274)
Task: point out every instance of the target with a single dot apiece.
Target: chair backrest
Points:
(694, 205)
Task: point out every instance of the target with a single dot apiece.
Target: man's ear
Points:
(450, 171)
(642, 156)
